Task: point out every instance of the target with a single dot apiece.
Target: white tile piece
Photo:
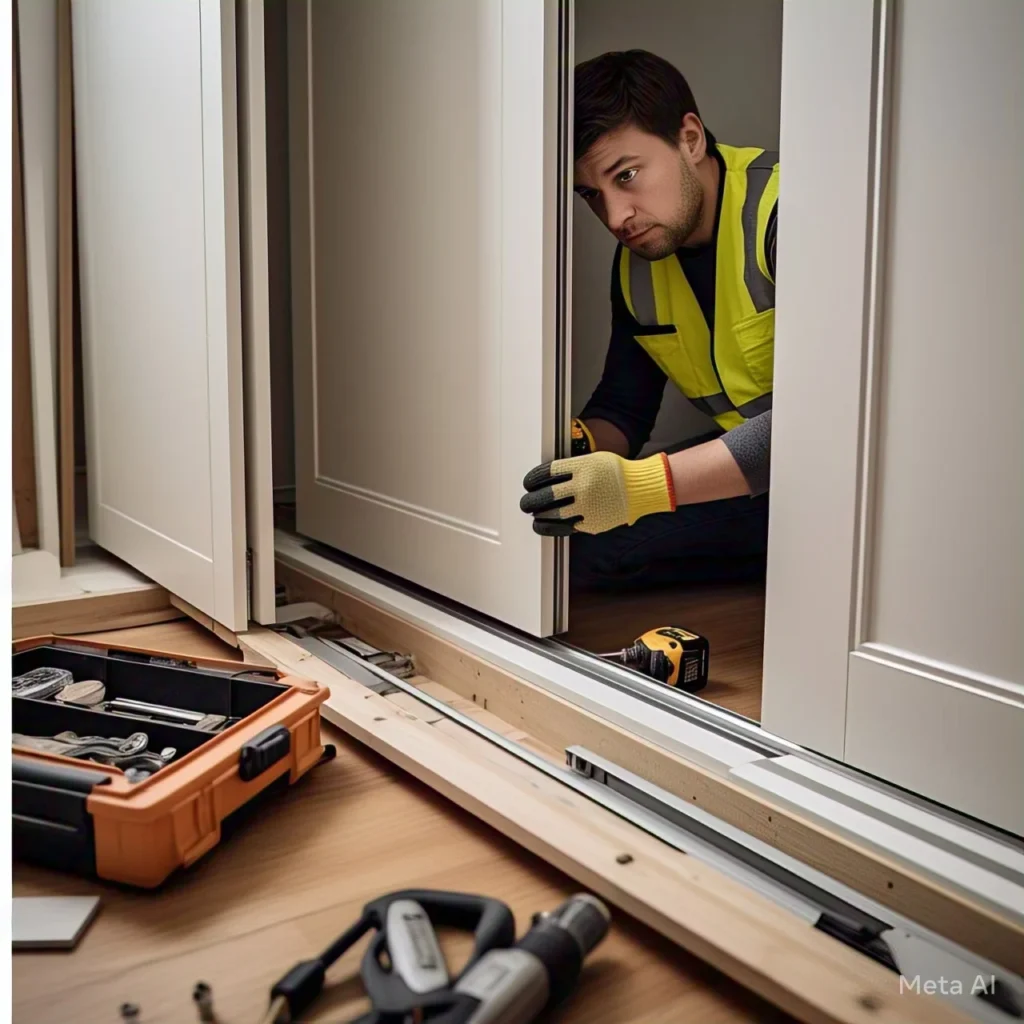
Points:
(50, 922)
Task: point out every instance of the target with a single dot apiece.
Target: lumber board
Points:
(65, 289)
(558, 723)
(762, 946)
(91, 613)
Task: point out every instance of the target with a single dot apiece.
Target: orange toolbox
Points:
(148, 761)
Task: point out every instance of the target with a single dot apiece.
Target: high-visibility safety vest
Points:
(728, 376)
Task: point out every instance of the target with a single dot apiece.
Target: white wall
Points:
(730, 53)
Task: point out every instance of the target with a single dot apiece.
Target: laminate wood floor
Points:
(731, 616)
(284, 886)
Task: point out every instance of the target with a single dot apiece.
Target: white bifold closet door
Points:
(158, 218)
(894, 633)
(428, 201)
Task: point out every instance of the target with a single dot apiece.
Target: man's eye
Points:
(627, 176)
(586, 193)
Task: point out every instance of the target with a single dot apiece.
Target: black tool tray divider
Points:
(209, 691)
(47, 718)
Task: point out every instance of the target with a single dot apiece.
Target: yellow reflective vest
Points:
(728, 376)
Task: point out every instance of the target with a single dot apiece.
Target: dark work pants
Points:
(714, 541)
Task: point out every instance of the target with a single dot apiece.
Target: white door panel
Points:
(156, 150)
(425, 226)
(896, 573)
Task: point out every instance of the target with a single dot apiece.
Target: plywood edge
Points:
(91, 613)
(760, 945)
(208, 622)
(557, 723)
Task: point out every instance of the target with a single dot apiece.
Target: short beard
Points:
(691, 210)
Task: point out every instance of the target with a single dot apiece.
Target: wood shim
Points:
(762, 946)
(206, 621)
(556, 722)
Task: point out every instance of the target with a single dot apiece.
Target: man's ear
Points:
(692, 138)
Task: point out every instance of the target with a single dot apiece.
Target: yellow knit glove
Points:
(597, 492)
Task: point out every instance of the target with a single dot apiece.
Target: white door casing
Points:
(896, 550)
(428, 197)
(157, 172)
(255, 285)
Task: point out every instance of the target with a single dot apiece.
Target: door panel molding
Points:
(942, 672)
(408, 508)
(920, 730)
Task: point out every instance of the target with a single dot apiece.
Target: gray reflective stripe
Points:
(641, 289)
(714, 405)
(755, 407)
(762, 291)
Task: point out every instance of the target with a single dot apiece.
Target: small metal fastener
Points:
(202, 996)
(624, 858)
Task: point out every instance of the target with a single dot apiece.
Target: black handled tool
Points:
(501, 983)
(415, 976)
(515, 985)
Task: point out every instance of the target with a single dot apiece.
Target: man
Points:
(693, 297)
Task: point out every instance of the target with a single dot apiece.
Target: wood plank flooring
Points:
(291, 880)
(731, 616)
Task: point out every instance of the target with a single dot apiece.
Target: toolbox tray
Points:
(77, 815)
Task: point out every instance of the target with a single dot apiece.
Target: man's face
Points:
(645, 191)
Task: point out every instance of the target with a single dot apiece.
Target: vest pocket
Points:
(755, 338)
(667, 350)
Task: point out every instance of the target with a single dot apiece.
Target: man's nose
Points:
(618, 210)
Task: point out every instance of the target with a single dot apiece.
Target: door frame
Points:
(255, 296)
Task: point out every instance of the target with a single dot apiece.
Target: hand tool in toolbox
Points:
(670, 655)
(502, 982)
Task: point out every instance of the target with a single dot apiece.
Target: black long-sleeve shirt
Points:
(632, 385)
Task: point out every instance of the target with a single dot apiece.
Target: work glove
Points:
(582, 439)
(597, 492)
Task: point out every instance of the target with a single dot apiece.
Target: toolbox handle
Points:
(264, 750)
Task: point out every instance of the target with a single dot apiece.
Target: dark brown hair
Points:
(632, 87)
